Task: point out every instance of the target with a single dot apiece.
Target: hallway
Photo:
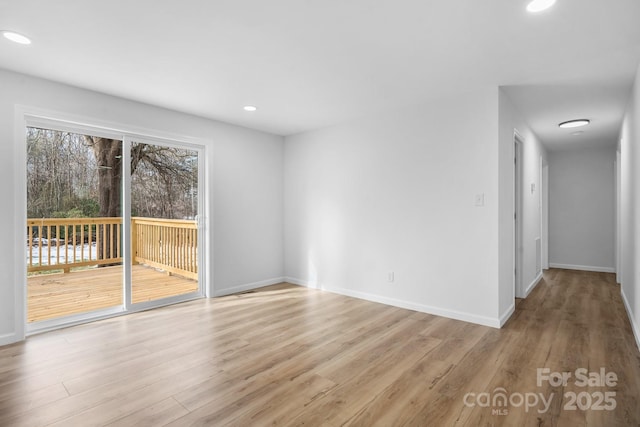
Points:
(574, 319)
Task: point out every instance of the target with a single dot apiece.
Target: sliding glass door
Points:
(112, 224)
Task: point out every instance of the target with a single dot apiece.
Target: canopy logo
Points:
(500, 401)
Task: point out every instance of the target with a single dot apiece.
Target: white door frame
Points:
(518, 144)
(27, 116)
(544, 197)
(618, 242)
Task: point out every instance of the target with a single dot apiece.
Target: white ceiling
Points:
(310, 64)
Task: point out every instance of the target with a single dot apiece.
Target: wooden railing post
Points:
(134, 241)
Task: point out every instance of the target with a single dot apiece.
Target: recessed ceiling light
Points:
(250, 108)
(574, 123)
(15, 37)
(539, 5)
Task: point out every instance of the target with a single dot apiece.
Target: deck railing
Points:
(65, 243)
(169, 244)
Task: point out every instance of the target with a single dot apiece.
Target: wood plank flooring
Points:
(285, 355)
(55, 295)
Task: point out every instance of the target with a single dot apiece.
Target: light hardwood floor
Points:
(286, 355)
(55, 295)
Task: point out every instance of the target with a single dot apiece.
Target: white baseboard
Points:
(247, 287)
(507, 314)
(533, 284)
(301, 282)
(7, 339)
(634, 326)
(437, 311)
(583, 268)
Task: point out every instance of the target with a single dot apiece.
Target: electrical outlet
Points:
(390, 277)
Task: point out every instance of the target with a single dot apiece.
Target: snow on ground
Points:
(83, 252)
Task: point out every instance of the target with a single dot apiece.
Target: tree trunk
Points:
(108, 154)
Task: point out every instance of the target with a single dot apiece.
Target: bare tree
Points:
(108, 154)
(60, 174)
(164, 178)
(74, 175)
(164, 181)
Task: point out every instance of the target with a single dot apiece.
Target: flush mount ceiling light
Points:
(574, 123)
(15, 37)
(539, 5)
(250, 108)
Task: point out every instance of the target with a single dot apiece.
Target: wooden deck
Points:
(55, 295)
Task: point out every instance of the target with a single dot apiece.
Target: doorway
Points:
(112, 223)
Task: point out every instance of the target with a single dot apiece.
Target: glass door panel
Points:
(164, 229)
(74, 224)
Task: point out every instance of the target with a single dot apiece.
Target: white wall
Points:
(582, 209)
(532, 154)
(630, 208)
(397, 193)
(244, 184)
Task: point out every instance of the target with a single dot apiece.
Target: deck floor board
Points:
(56, 295)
